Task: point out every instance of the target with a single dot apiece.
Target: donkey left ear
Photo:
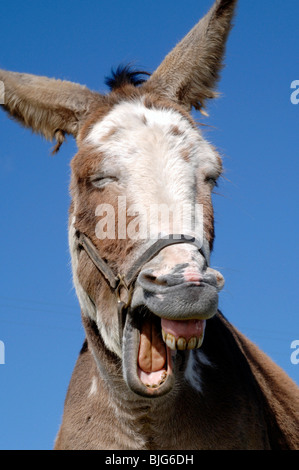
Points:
(190, 71)
(49, 107)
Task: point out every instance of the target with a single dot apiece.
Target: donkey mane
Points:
(125, 75)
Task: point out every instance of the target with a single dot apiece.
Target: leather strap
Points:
(102, 265)
(116, 282)
(127, 281)
(156, 247)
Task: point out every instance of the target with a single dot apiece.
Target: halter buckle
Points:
(122, 283)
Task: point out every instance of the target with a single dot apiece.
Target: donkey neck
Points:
(140, 421)
(227, 399)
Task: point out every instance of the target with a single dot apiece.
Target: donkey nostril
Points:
(151, 278)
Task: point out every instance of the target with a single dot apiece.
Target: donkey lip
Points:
(183, 302)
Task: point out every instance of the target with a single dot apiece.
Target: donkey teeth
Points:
(192, 343)
(164, 335)
(200, 341)
(181, 343)
(170, 341)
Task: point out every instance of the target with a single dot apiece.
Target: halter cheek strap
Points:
(126, 281)
(84, 242)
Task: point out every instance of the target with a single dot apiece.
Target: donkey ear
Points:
(49, 107)
(190, 71)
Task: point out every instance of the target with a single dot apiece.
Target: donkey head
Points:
(143, 171)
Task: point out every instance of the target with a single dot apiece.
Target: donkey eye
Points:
(102, 181)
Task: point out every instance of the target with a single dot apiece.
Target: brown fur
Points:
(173, 77)
(48, 106)
(176, 131)
(234, 412)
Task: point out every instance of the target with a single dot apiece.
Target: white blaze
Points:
(157, 165)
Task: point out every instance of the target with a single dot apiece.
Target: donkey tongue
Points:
(152, 353)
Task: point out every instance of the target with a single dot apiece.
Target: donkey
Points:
(161, 367)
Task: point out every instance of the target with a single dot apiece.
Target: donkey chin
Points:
(166, 320)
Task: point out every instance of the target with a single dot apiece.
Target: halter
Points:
(126, 281)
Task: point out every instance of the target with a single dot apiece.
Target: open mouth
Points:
(150, 345)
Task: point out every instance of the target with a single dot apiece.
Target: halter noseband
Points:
(119, 281)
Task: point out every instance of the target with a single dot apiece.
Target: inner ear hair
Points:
(60, 138)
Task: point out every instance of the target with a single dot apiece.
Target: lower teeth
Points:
(163, 377)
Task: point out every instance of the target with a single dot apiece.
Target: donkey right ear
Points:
(189, 73)
(49, 107)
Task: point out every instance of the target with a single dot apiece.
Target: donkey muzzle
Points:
(178, 290)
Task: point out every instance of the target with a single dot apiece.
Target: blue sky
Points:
(253, 124)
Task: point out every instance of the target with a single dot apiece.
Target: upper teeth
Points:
(181, 343)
